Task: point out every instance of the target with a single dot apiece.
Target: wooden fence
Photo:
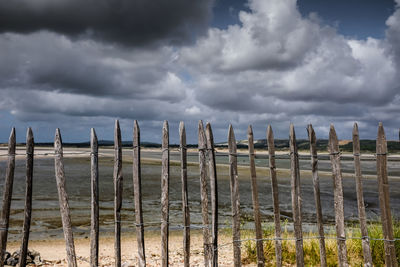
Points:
(210, 225)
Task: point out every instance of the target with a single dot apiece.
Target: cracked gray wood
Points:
(333, 148)
(254, 195)
(235, 202)
(296, 197)
(317, 195)
(214, 194)
(165, 195)
(7, 196)
(360, 198)
(202, 145)
(63, 200)
(137, 190)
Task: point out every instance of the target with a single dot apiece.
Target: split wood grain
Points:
(165, 194)
(137, 191)
(360, 198)
(235, 202)
(296, 196)
(63, 200)
(275, 196)
(118, 187)
(94, 211)
(254, 194)
(333, 147)
(185, 199)
(202, 143)
(384, 198)
(214, 194)
(7, 196)
(317, 195)
(28, 197)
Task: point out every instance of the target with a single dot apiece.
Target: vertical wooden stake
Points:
(7, 196)
(234, 183)
(275, 196)
(384, 198)
(118, 185)
(254, 194)
(317, 196)
(63, 200)
(94, 214)
(137, 187)
(214, 194)
(204, 194)
(338, 196)
(360, 198)
(296, 197)
(165, 195)
(28, 197)
(185, 200)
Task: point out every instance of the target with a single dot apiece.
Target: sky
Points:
(76, 64)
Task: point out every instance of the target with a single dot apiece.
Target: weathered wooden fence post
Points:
(234, 184)
(317, 196)
(137, 187)
(7, 196)
(296, 197)
(254, 194)
(275, 196)
(214, 194)
(63, 200)
(360, 198)
(338, 197)
(165, 195)
(185, 199)
(384, 198)
(28, 197)
(94, 212)
(202, 143)
(118, 185)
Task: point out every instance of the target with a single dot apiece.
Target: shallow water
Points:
(46, 220)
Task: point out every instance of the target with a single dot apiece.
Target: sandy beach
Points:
(53, 251)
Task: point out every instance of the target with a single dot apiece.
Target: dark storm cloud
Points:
(127, 22)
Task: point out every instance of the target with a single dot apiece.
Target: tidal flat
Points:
(46, 221)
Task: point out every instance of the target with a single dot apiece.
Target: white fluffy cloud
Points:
(278, 65)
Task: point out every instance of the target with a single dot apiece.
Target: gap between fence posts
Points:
(254, 194)
(204, 193)
(63, 200)
(338, 196)
(28, 197)
(234, 185)
(317, 196)
(384, 198)
(7, 196)
(360, 198)
(165, 194)
(185, 200)
(275, 196)
(214, 194)
(94, 212)
(118, 185)
(137, 189)
(296, 197)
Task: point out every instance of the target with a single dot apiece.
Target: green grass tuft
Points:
(311, 247)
